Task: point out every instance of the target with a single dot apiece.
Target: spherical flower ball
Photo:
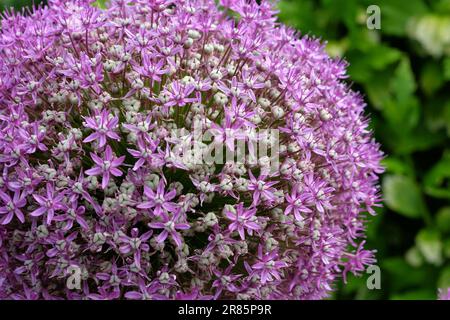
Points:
(117, 182)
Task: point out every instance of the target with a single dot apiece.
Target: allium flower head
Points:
(113, 122)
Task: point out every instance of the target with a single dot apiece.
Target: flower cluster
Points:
(93, 106)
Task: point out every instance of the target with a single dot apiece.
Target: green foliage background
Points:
(403, 70)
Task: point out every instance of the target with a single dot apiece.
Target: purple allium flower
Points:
(268, 266)
(103, 126)
(169, 227)
(103, 165)
(225, 281)
(262, 189)
(296, 204)
(159, 201)
(243, 220)
(106, 166)
(74, 213)
(48, 204)
(12, 207)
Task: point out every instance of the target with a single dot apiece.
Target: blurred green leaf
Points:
(402, 108)
(443, 219)
(446, 116)
(404, 141)
(446, 64)
(414, 257)
(298, 14)
(396, 14)
(442, 6)
(403, 115)
(364, 40)
(365, 63)
(436, 179)
(376, 89)
(344, 10)
(405, 276)
(444, 278)
(437, 113)
(429, 243)
(397, 166)
(403, 82)
(403, 195)
(431, 78)
(447, 248)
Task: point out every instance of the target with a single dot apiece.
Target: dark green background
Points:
(403, 70)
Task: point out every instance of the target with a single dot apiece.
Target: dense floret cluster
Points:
(97, 108)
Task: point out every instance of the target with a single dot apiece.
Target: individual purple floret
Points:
(116, 127)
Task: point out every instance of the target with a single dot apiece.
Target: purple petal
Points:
(19, 215)
(115, 172)
(146, 205)
(5, 197)
(162, 236)
(96, 159)
(133, 295)
(7, 219)
(91, 137)
(156, 225)
(105, 179)
(91, 172)
(117, 162)
(108, 153)
(38, 212)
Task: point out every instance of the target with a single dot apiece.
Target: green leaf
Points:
(344, 10)
(403, 195)
(403, 83)
(441, 6)
(298, 14)
(435, 110)
(429, 243)
(403, 115)
(446, 116)
(446, 65)
(413, 257)
(402, 141)
(437, 178)
(443, 219)
(397, 166)
(431, 78)
(394, 270)
(444, 278)
(403, 109)
(376, 56)
(369, 58)
(447, 248)
(376, 89)
(364, 40)
(382, 56)
(396, 14)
